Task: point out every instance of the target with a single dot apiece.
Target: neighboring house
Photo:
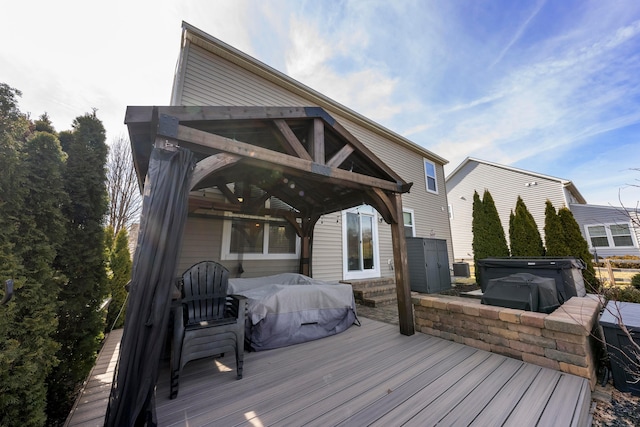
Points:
(609, 230)
(347, 245)
(505, 183)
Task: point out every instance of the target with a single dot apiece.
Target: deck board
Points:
(372, 375)
(91, 406)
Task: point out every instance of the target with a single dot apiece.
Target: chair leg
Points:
(239, 359)
(175, 378)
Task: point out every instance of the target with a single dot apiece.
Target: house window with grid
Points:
(610, 235)
(249, 238)
(430, 176)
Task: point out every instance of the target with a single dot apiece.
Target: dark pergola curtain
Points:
(164, 212)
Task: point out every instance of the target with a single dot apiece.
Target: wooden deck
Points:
(91, 406)
(373, 375)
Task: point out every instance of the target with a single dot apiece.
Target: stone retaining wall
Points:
(561, 340)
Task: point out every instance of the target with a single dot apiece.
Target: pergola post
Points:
(403, 290)
(306, 241)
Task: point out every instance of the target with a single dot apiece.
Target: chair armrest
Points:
(236, 306)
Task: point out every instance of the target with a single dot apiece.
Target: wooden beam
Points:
(403, 290)
(209, 165)
(316, 141)
(387, 207)
(340, 156)
(140, 114)
(291, 141)
(228, 194)
(254, 153)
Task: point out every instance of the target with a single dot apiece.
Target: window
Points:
(610, 235)
(409, 225)
(360, 243)
(621, 235)
(259, 238)
(430, 176)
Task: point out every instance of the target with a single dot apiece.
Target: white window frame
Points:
(413, 220)
(610, 241)
(427, 176)
(360, 274)
(226, 254)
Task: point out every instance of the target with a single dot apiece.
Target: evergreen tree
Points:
(578, 248)
(120, 269)
(30, 230)
(523, 233)
(40, 232)
(488, 235)
(497, 242)
(553, 233)
(81, 259)
(13, 127)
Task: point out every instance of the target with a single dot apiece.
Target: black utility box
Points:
(619, 345)
(428, 263)
(567, 272)
(523, 291)
(461, 269)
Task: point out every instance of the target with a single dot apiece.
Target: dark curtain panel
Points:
(164, 211)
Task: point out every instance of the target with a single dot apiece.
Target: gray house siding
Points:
(204, 78)
(505, 185)
(592, 215)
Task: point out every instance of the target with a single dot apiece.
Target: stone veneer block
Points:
(561, 356)
(531, 318)
(524, 329)
(471, 310)
(510, 315)
(541, 361)
(456, 306)
(538, 340)
(563, 323)
(489, 312)
(504, 333)
(440, 304)
(477, 344)
(506, 351)
(580, 371)
(572, 348)
(563, 336)
(526, 348)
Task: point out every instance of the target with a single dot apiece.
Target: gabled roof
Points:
(241, 59)
(301, 156)
(564, 182)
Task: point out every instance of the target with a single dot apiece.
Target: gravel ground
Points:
(621, 410)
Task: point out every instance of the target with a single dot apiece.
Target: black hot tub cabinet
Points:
(622, 353)
(567, 272)
(522, 291)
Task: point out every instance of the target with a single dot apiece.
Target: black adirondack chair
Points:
(207, 321)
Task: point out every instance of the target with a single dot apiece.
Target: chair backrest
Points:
(204, 291)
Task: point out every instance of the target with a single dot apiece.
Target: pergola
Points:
(299, 155)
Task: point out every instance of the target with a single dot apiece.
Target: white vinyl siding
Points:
(505, 185)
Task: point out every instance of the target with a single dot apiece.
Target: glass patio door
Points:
(360, 243)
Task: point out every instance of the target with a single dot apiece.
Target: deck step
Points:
(374, 292)
(379, 300)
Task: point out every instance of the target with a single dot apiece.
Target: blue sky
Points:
(548, 86)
